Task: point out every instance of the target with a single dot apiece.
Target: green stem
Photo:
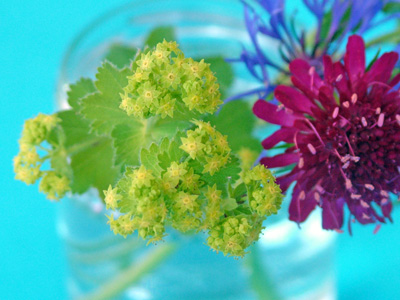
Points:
(84, 145)
(393, 36)
(135, 272)
(108, 253)
(259, 278)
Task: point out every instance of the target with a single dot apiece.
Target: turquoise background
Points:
(34, 36)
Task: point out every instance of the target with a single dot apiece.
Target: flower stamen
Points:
(301, 162)
(348, 143)
(348, 183)
(354, 98)
(315, 131)
(346, 165)
(365, 216)
(364, 122)
(335, 113)
(377, 228)
(369, 187)
(317, 197)
(398, 119)
(312, 149)
(381, 119)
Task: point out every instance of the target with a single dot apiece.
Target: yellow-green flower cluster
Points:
(208, 146)
(263, 198)
(27, 164)
(164, 80)
(235, 234)
(266, 200)
(189, 181)
(37, 129)
(189, 196)
(139, 195)
(53, 185)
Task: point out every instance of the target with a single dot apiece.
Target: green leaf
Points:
(237, 121)
(326, 25)
(374, 59)
(102, 108)
(168, 127)
(229, 204)
(174, 153)
(343, 24)
(391, 8)
(240, 190)
(223, 71)
(91, 155)
(78, 90)
(230, 173)
(129, 138)
(121, 55)
(283, 146)
(284, 170)
(158, 34)
(149, 157)
(393, 37)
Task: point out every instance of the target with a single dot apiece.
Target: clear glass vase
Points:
(286, 263)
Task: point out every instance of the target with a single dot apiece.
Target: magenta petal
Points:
(382, 69)
(301, 205)
(286, 180)
(301, 70)
(326, 97)
(328, 69)
(387, 209)
(280, 160)
(342, 83)
(310, 93)
(360, 213)
(332, 214)
(284, 134)
(271, 113)
(293, 99)
(349, 141)
(354, 58)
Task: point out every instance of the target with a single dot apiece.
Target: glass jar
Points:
(286, 263)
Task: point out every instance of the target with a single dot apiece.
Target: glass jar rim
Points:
(108, 16)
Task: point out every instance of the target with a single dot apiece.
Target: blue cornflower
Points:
(336, 20)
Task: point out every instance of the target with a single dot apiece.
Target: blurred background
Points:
(34, 37)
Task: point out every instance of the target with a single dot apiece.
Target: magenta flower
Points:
(345, 136)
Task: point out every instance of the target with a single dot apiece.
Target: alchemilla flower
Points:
(184, 185)
(344, 137)
(143, 136)
(164, 80)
